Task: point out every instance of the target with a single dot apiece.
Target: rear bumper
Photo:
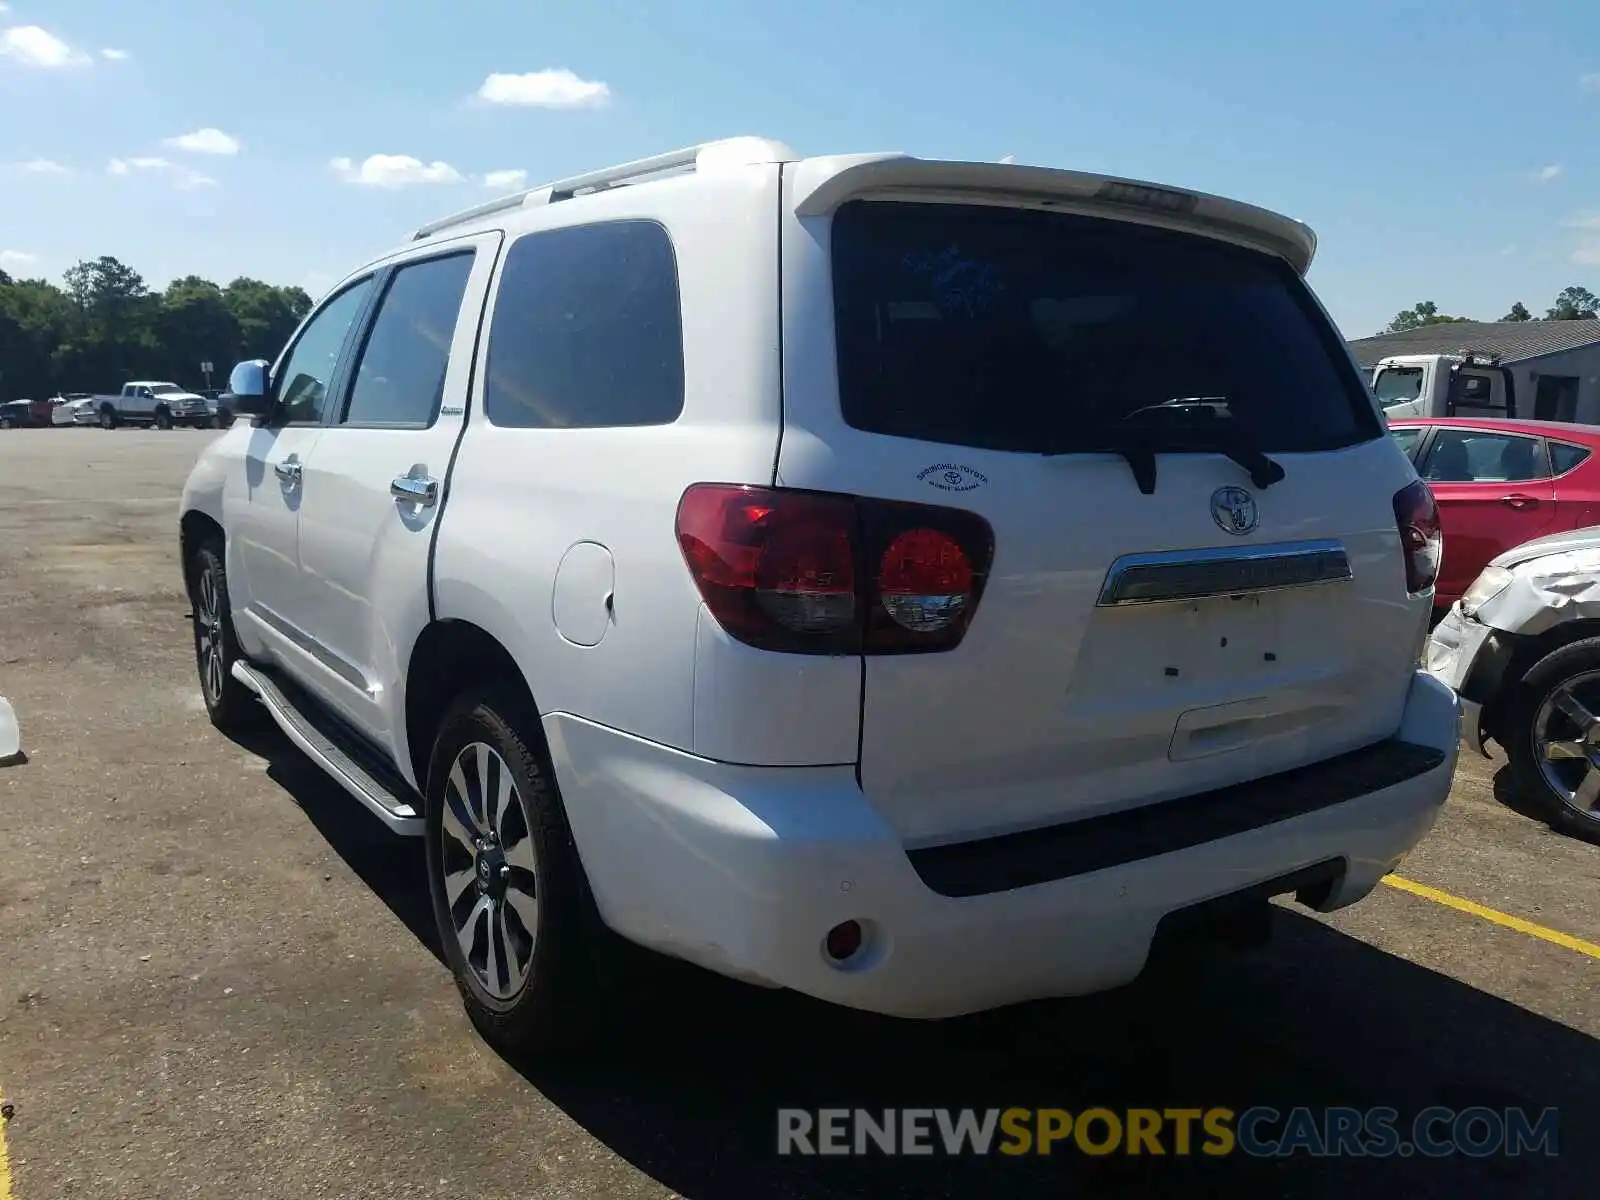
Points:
(745, 869)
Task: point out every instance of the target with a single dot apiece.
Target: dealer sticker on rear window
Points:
(952, 477)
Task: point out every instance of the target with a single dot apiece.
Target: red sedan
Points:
(1499, 483)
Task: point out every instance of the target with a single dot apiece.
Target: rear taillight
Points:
(1417, 517)
(823, 573)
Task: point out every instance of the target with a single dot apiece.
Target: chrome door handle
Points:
(288, 470)
(415, 490)
(1519, 501)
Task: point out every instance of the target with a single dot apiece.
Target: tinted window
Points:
(587, 330)
(1565, 456)
(400, 376)
(1467, 456)
(1028, 330)
(1407, 438)
(308, 371)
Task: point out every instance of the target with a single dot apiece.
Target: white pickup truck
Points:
(155, 402)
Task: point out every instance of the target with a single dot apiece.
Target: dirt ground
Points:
(218, 976)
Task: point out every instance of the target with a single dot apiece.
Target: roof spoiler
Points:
(822, 184)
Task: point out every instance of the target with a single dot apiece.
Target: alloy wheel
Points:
(1566, 742)
(208, 637)
(490, 870)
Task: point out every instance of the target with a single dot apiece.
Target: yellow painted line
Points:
(1505, 920)
(5, 1161)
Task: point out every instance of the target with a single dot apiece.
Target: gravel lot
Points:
(217, 975)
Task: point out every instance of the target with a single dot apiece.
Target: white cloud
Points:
(510, 181)
(1508, 251)
(44, 166)
(1009, 159)
(205, 141)
(1547, 173)
(17, 258)
(1583, 221)
(125, 166)
(36, 47)
(553, 88)
(394, 171)
(111, 55)
(1587, 252)
(1590, 82)
(184, 178)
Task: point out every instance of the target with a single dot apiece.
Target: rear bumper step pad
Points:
(1035, 856)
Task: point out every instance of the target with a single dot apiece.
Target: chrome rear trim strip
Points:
(1176, 575)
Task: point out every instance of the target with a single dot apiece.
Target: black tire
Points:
(163, 419)
(574, 968)
(108, 418)
(1546, 677)
(229, 704)
(7, 423)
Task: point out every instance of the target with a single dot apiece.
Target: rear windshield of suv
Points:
(1018, 329)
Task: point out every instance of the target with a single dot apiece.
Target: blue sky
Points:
(1446, 151)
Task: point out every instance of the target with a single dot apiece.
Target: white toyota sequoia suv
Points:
(916, 584)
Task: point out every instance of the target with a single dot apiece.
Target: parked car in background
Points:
(1499, 483)
(73, 408)
(17, 414)
(1522, 648)
(154, 402)
(916, 603)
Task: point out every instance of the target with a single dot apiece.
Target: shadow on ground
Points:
(391, 866)
(1518, 801)
(689, 1092)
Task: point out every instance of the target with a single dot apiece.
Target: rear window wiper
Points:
(1140, 443)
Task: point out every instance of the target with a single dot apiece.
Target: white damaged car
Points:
(1522, 649)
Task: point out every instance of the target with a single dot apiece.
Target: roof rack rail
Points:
(727, 152)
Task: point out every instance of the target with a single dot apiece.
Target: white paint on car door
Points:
(263, 503)
(375, 484)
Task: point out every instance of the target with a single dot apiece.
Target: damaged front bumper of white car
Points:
(1499, 622)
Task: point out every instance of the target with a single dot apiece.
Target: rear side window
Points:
(1564, 456)
(399, 378)
(1023, 330)
(1471, 456)
(587, 330)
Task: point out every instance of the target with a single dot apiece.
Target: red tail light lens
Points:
(1417, 517)
(822, 573)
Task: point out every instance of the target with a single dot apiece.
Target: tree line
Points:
(1573, 304)
(104, 325)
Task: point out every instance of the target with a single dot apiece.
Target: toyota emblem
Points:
(1234, 510)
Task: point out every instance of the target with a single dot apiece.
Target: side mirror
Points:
(247, 389)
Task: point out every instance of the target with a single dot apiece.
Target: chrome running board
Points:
(354, 767)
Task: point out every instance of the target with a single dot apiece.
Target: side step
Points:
(357, 768)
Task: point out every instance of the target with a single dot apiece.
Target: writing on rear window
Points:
(1018, 329)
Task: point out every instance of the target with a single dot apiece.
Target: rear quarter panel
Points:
(521, 499)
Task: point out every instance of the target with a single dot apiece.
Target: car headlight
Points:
(1489, 584)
